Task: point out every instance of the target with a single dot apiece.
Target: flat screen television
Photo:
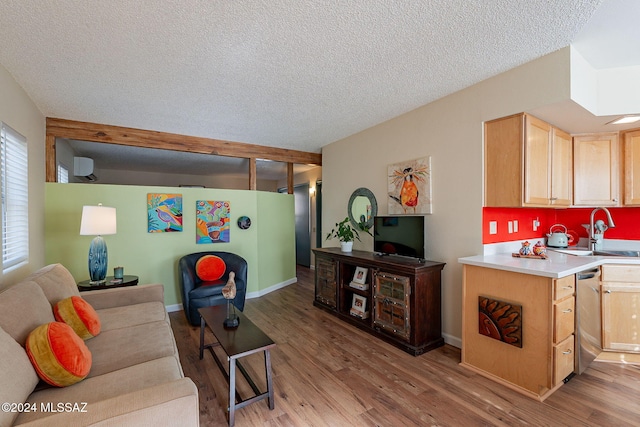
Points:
(399, 235)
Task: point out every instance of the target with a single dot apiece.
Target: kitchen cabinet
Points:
(631, 141)
(621, 308)
(400, 298)
(547, 353)
(596, 170)
(528, 162)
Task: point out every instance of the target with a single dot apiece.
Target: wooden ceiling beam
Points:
(84, 131)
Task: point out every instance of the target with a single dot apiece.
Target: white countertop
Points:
(556, 266)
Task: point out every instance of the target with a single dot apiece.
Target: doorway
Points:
(302, 207)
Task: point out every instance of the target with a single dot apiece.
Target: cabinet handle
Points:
(615, 200)
(567, 310)
(567, 352)
(607, 291)
(553, 199)
(567, 287)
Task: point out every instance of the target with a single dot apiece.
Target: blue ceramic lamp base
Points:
(97, 261)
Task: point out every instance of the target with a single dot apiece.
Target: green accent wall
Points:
(268, 245)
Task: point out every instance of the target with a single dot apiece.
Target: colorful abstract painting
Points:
(212, 222)
(409, 187)
(164, 212)
(500, 320)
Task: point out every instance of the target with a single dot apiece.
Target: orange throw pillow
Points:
(77, 313)
(210, 267)
(58, 354)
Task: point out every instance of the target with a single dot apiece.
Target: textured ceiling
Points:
(287, 73)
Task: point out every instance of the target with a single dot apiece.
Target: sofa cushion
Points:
(58, 354)
(77, 313)
(210, 267)
(56, 282)
(23, 307)
(119, 348)
(109, 385)
(17, 376)
(131, 315)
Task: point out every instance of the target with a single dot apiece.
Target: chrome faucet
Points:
(594, 241)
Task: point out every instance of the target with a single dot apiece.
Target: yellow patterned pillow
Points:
(58, 354)
(77, 313)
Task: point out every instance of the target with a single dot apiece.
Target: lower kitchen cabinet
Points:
(620, 288)
(395, 299)
(518, 329)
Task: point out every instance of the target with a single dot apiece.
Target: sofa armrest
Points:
(170, 404)
(129, 295)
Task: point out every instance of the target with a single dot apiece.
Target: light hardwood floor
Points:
(329, 373)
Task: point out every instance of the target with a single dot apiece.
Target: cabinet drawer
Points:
(564, 319)
(564, 287)
(621, 273)
(563, 357)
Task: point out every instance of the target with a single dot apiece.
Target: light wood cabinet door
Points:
(596, 170)
(561, 168)
(528, 162)
(537, 162)
(563, 359)
(564, 319)
(632, 167)
(621, 317)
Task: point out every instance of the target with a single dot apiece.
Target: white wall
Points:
(449, 130)
(605, 92)
(18, 111)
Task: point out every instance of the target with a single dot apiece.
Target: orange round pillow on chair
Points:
(58, 354)
(210, 267)
(77, 313)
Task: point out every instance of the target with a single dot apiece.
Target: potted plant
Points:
(345, 233)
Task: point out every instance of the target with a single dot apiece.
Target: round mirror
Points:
(362, 208)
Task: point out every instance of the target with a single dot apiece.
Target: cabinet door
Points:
(632, 168)
(561, 168)
(596, 170)
(326, 286)
(564, 319)
(563, 359)
(620, 319)
(537, 162)
(391, 304)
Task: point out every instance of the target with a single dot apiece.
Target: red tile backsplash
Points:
(627, 222)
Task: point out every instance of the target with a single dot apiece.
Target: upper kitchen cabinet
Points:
(596, 170)
(527, 163)
(632, 167)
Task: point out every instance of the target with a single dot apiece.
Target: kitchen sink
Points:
(635, 254)
(586, 252)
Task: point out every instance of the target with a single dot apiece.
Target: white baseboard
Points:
(272, 288)
(174, 307)
(451, 340)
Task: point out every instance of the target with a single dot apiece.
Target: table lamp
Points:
(98, 221)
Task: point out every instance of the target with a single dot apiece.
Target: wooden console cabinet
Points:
(401, 297)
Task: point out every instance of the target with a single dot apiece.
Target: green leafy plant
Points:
(343, 232)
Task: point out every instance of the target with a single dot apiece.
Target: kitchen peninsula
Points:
(519, 324)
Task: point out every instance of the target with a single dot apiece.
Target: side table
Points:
(111, 282)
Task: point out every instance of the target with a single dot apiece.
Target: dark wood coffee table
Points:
(242, 341)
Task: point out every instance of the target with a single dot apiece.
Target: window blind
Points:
(63, 174)
(15, 197)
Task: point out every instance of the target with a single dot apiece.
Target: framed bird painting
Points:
(164, 212)
(409, 187)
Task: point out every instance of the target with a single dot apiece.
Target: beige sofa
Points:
(135, 378)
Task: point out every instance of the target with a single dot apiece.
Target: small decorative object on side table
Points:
(110, 282)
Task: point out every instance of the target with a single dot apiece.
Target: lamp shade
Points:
(98, 221)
